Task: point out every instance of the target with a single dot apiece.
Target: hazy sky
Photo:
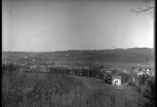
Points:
(64, 25)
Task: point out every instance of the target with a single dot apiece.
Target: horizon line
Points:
(83, 49)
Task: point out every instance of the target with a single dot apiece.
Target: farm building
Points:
(141, 73)
(116, 80)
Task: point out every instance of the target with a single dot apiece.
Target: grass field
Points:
(97, 90)
(125, 96)
(93, 83)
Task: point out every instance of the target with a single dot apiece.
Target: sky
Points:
(44, 25)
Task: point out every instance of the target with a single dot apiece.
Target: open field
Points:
(93, 83)
(94, 87)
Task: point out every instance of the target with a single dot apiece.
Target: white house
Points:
(25, 57)
(116, 80)
(140, 73)
(108, 71)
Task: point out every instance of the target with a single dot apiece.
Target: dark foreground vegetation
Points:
(20, 89)
(23, 90)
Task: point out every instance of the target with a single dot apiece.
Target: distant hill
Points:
(132, 55)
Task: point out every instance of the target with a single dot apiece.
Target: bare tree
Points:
(146, 6)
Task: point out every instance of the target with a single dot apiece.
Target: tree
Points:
(147, 6)
(8, 89)
(150, 94)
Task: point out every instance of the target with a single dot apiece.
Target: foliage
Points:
(150, 94)
(88, 57)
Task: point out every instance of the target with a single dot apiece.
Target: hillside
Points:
(97, 88)
(133, 55)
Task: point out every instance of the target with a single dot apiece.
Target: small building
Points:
(116, 80)
(108, 71)
(25, 57)
(140, 73)
(124, 71)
